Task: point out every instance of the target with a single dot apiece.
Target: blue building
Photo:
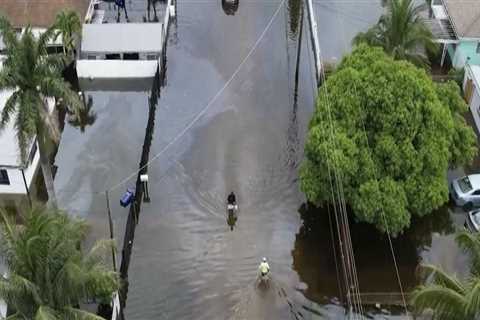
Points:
(457, 28)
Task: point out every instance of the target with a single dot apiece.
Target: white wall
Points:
(475, 106)
(17, 186)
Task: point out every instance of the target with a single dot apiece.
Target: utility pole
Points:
(26, 187)
(110, 223)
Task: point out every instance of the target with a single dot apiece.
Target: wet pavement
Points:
(187, 263)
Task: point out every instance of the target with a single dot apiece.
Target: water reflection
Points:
(152, 3)
(230, 6)
(316, 246)
(231, 219)
(85, 117)
(294, 8)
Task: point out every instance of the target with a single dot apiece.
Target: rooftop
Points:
(465, 16)
(122, 37)
(39, 13)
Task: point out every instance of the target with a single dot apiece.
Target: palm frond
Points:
(77, 314)
(8, 110)
(46, 313)
(440, 277)
(444, 302)
(401, 32)
(473, 297)
(470, 243)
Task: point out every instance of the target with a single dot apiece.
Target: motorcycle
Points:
(232, 209)
(264, 280)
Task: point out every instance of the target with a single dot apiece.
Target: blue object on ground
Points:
(127, 198)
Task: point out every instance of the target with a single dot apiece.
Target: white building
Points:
(471, 88)
(15, 178)
(123, 43)
(120, 50)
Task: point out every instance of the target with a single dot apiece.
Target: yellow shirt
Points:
(264, 267)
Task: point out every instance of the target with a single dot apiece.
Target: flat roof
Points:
(39, 13)
(121, 37)
(465, 16)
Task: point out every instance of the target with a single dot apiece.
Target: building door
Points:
(468, 91)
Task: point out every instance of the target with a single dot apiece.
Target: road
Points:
(229, 105)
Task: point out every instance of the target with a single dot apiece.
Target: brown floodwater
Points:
(187, 262)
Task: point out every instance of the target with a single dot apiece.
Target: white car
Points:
(472, 222)
(465, 191)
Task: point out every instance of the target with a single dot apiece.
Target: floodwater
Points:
(339, 21)
(236, 124)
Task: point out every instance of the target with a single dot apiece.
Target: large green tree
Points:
(401, 32)
(388, 134)
(49, 275)
(446, 296)
(32, 75)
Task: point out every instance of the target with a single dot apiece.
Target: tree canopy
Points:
(49, 275)
(389, 134)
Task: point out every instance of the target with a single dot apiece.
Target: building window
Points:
(4, 177)
(113, 56)
(131, 56)
(478, 47)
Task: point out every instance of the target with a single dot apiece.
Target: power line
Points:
(382, 210)
(348, 258)
(210, 103)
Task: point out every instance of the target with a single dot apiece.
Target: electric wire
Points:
(351, 273)
(376, 178)
(333, 197)
(209, 104)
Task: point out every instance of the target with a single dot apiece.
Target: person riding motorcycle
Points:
(264, 268)
(232, 199)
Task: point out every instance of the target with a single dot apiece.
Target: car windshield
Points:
(465, 184)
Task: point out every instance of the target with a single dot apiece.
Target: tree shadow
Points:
(316, 254)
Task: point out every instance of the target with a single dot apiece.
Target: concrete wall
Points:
(464, 50)
(475, 101)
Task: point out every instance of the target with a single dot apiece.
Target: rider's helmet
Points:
(264, 259)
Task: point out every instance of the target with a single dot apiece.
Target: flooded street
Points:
(237, 125)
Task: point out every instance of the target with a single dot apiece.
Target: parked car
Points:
(472, 222)
(465, 191)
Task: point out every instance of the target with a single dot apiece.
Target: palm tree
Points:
(68, 26)
(401, 32)
(48, 273)
(447, 297)
(33, 76)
